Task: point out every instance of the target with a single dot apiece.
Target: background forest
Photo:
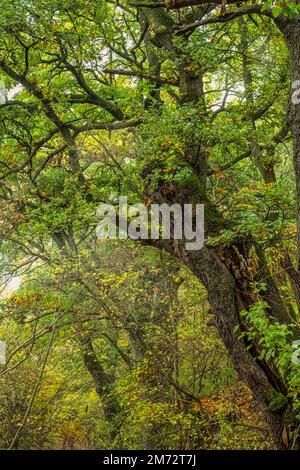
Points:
(122, 344)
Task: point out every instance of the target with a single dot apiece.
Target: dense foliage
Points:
(140, 345)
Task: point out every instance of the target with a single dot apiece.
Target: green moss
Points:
(278, 402)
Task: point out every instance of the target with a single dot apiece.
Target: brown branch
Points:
(108, 126)
(178, 4)
(247, 10)
(147, 76)
(232, 163)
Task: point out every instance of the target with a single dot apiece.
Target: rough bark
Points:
(291, 31)
(227, 300)
(103, 385)
(227, 274)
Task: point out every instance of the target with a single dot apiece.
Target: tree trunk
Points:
(291, 31)
(227, 274)
(227, 300)
(103, 386)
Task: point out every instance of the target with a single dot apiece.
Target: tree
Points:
(61, 156)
